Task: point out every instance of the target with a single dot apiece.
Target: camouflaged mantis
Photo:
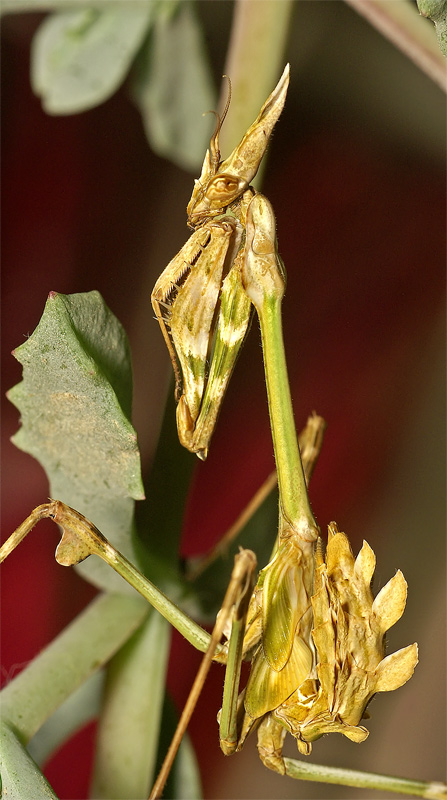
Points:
(199, 299)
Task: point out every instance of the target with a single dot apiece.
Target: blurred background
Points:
(356, 176)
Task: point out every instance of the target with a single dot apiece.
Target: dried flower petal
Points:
(389, 604)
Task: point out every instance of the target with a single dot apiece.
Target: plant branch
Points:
(400, 22)
(302, 770)
(258, 28)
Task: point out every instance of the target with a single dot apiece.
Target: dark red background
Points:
(361, 226)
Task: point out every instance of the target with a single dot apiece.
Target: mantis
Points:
(310, 625)
(199, 299)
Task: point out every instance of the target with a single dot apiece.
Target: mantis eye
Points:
(223, 186)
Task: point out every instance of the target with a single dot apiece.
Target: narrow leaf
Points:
(131, 715)
(186, 776)
(184, 779)
(75, 400)
(81, 649)
(79, 58)
(82, 707)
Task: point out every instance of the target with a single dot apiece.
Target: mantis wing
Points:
(232, 325)
(267, 689)
(284, 602)
(284, 660)
(186, 317)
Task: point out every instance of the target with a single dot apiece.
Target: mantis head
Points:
(223, 182)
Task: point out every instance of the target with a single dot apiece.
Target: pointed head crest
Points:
(214, 143)
(222, 182)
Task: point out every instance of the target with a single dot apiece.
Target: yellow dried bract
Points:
(348, 633)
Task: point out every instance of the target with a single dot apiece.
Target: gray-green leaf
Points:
(80, 58)
(173, 88)
(75, 401)
(20, 776)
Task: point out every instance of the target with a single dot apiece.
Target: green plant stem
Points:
(258, 28)
(365, 780)
(400, 22)
(84, 646)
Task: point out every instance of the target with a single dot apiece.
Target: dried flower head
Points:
(349, 630)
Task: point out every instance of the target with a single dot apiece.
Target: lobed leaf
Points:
(75, 400)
